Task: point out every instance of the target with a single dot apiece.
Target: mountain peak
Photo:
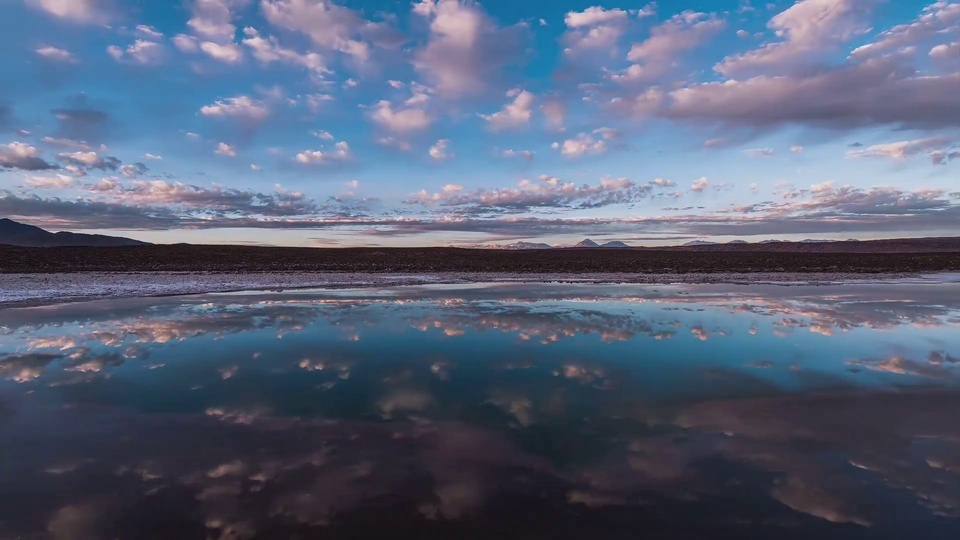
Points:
(588, 243)
(615, 244)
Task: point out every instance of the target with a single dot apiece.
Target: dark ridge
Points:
(13, 233)
(931, 256)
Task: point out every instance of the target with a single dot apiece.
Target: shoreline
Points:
(31, 290)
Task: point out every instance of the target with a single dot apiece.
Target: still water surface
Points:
(503, 411)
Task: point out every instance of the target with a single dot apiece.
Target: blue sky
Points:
(327, 122)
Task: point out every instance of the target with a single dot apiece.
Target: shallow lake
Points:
(486, 411)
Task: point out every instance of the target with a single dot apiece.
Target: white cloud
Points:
(699, 184)
(554, 113)
(544, 192)
(185, 43)
(594, 29)
(937, 148)
(328, 24)
(315, 101)
(525, 154)
(759, 152)
(393, 142)
(663, 183)
(228, 53)
(466, 50)
(806, 29)
(321, 134)
(341, 152)
(660, 52)
(946, 52)
(256, 168)
(439, 150)
(81, 11)
(152, 157)
(58, 55)
(20, 155)
(401, 120)
(595, 142)
(67, 143)
(90, 159)
(148, 31)
(225, 149)
(513, 115)
(267, 50)
(938, 18)
(241, 107)
(796, 149)
(141, 52)
(212, 19)
(51, 182)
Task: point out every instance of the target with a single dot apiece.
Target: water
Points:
(490, 411)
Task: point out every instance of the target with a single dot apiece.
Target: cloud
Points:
(133, 171)
(699, 184)
(759, 152)
(152, 157)
(90, 160)
(329, 25)
(228, 53)
(938, 148)
(185, 43)
(159, 198)
(148, 31)
(17, 155)
(341, 152)
(525, 154)
(946, 52)
(80, 11)
(59, 181)
(212, 19)
(938, 18)
(439, 150)
(240, 107)
(594, 30)
(67, 143)
(465, 50)
(57, 55)
(877, 91)
(393, 142)
(224, 149)
(268, 50)
(658, 53)
(796, 149)
(545, 192)
(596, 142)
(807, 29)
(554, 113)
(140, 52)
(405, 119)
(513, 115)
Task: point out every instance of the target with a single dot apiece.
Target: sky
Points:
(455, 122)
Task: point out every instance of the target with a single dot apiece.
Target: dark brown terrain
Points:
(896, 256)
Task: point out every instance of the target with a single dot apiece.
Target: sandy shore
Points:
(43, 289)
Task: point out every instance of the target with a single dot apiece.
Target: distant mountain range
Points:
(810, 245)
(13, 233)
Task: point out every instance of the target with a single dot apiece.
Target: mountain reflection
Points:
(494, 411)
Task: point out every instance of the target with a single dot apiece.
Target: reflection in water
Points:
(486, 411)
